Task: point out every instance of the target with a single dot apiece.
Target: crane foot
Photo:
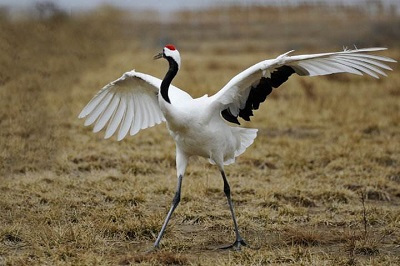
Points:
(236, 245)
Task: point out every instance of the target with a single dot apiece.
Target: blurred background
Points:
(56, 54)
(260, 25)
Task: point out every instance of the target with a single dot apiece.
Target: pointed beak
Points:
(158, 56)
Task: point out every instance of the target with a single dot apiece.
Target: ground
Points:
(320, 185)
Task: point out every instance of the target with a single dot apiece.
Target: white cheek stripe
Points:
(174, 54)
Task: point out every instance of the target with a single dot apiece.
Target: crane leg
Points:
(181, 163)
(239, 240)
(175, 202)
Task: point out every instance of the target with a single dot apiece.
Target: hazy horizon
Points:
(173, 5)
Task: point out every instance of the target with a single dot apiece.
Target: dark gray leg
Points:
(175, 202)
(239, 240)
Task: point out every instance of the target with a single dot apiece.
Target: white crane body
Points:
(196, 129)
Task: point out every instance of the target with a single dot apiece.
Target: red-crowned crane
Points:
(137, 101)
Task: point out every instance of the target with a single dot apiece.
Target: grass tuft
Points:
(159, 257)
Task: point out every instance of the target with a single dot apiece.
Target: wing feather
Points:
(108, 110)
(93, 103)
(370, 61)
(339, 68)
(117, 118)
(152, 111)
(137, 120)
(127, 120)
(322, 67)
(359, 67)
(143, 112)
(127, 104)
(364, 64)
(375, 57)
(111, 109)
(313, 68)
(92, 116)
(241, 94)
(158, 116)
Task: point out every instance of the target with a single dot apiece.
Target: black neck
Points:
(173, 69)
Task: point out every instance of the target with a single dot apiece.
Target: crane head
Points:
(170, 53)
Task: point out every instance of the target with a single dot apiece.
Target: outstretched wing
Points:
(127, 104)
(244, 92)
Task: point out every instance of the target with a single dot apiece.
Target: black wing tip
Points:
(259, 93)
(226, 114)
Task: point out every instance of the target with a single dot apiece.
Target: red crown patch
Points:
(170, 46)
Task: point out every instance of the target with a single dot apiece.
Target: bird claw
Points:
(236, 245)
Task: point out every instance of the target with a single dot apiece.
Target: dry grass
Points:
(69, 197)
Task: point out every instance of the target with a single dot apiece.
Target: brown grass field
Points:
(320, 185)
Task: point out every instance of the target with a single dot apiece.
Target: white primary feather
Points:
(117, 116)
(129, 104)
(127, 120)
(137, 119)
